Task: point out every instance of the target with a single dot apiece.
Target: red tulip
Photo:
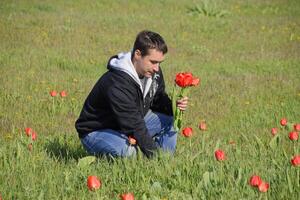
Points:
(283, 122)
(127, 196)
(53, 93)
(63, 93)
(274, 131)
(202, 126)
(93, 183)
(255, 180)
(296, 160)
(33, 135)
(28, 131)
(187, 132)
(184, 79)
(297, 127)
(293, 135)
(30, 147)
(131, 140)
(263, 186)
(220, 155)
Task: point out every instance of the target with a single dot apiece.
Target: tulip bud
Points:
(93, 183)
(33, 136)
(63, 93)
(297, 127)
(263, 186)
(296, 160)
(202, 126)
(53, 93)
(293, 135)
(195, 81)
(30, 147)
(187, 132)
(283, 122)
(274, 131)
(28, 131)
(220, 155)
(255, 180)
(127, 196)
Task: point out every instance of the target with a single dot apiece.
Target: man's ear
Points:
(138, 53)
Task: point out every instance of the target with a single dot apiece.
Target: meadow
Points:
(246, 53)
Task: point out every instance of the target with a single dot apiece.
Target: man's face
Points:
(149, 64)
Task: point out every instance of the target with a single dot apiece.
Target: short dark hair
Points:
(146, 40)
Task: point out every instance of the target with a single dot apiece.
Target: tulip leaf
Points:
(156, 186)
(181, 150)
(239, 177)
(173, 98)
(144, 197)
(259, 142)
(41, 196)
(18, 150)
(244, 136)
(155, 198)
(217, 145)
(177, 119)
(195, 156)
(274, 142)
(276, 164)
(289, 181)
(289, 127)
(179, 123)
(206, 179)
(86, 161)
(297, 178)
(203, 143)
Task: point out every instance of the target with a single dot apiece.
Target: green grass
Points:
(249, 65)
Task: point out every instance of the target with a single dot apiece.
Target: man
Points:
(129, 100)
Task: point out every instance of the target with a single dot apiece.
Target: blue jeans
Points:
(113, 143)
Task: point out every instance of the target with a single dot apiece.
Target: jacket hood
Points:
(123, 62)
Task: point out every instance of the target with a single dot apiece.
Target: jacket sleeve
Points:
(130, 120)
(161, 102)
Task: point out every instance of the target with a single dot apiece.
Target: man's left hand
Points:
(182, 103)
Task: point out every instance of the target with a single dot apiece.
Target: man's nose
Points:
(156, 67)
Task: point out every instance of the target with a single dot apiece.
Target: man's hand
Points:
(182, 103)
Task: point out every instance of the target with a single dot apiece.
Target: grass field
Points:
(247, 54)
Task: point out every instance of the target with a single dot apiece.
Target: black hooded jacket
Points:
(117, 102)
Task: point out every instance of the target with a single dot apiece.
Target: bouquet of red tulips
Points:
(184, 81)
